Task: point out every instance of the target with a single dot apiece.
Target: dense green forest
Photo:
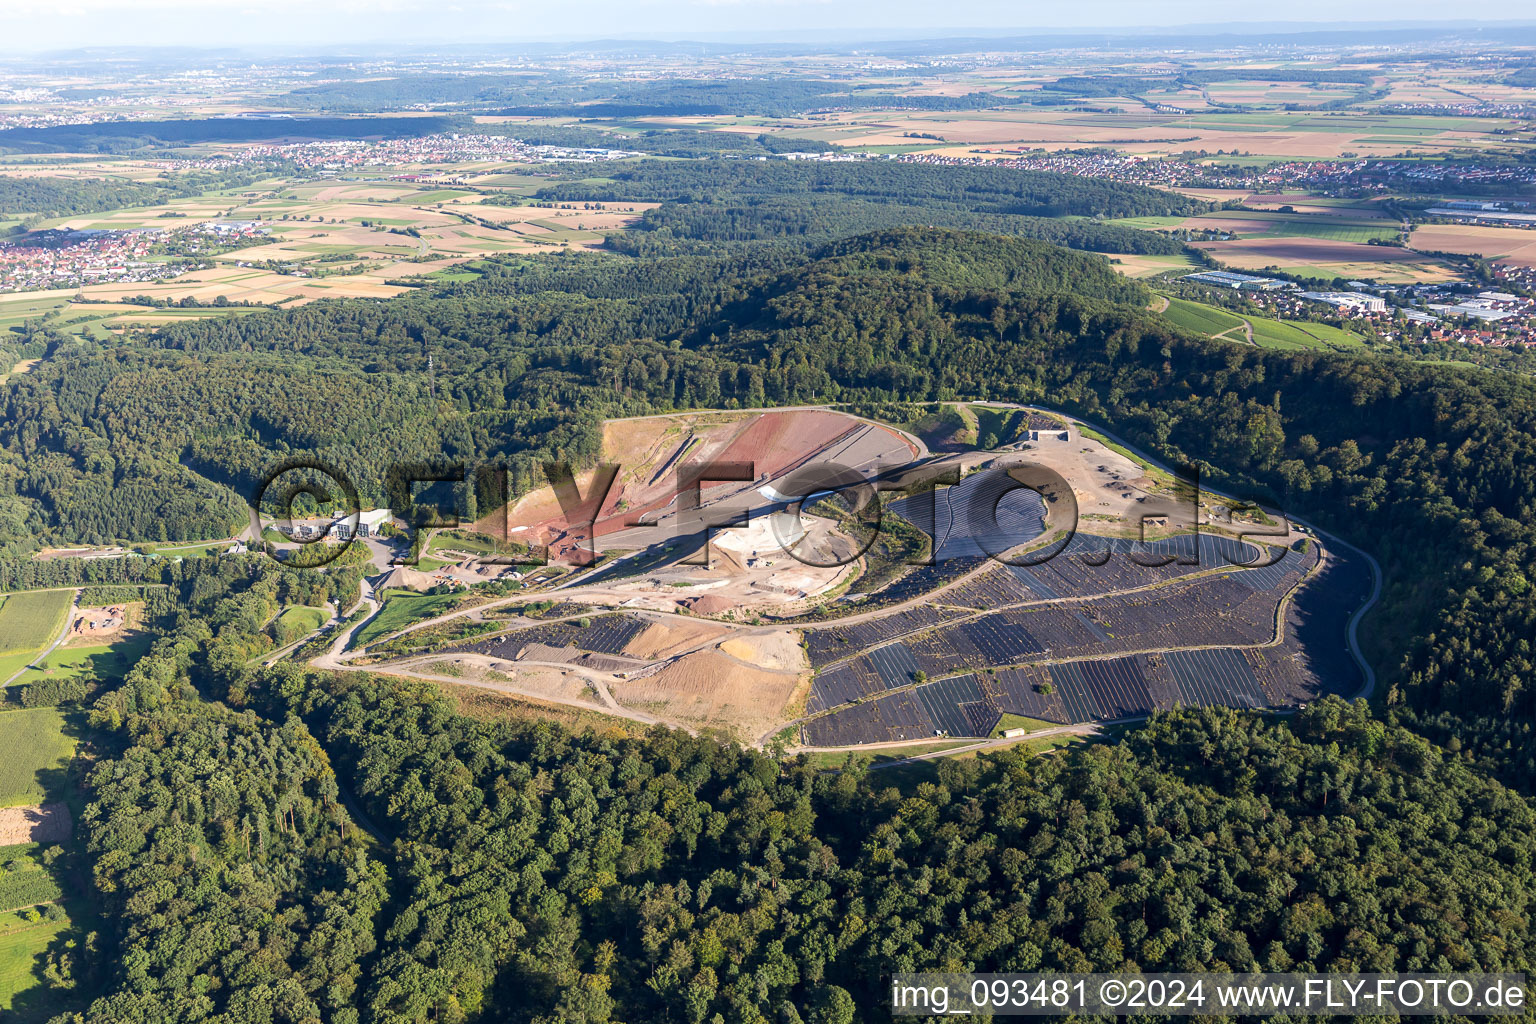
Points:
(996, 190)
(518, 872)
(673, 142)
(128, 136)
(735, 201)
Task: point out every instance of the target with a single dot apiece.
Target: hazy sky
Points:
(45, 24)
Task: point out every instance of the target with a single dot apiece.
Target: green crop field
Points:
(31, 619)
(1267, 333)
(1333, 229)
(15, 312)
(1200, 318)
(25, 883)
(1330, 335)
(32, 742)
(1149, 223)
(436, 196)
(1276, 334)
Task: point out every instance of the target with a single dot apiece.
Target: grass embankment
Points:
(404, 608)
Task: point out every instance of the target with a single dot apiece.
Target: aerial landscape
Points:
(710, 519)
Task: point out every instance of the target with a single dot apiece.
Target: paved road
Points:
(69, 617)
(334, 658)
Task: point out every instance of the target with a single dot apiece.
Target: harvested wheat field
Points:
(1512, 245)
(1318, 257)
(45, 823)
(1306, 250)
(1234, 225)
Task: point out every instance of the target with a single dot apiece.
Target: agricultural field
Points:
(1330, 224)
(1275, 94)
(333, 240)
(1302, 234)
(1211, 321)
(1152, 265)
(1130, 127)
(35, 745)
(1509, 245)
(1215, 322)
(1325, 260)
(1299, 334)
(29, 622)
(24, 882)
(97, 321)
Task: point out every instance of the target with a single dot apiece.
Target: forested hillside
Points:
(734, 201)
(521, 872)
(528, 874)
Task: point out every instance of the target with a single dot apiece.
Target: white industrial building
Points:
(1349, 300)
(338, 527)
(1244, 282)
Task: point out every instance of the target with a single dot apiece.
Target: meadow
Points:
(1213, 322)
(31, 618)
(301, 619)
(21, 943)
(94, 661)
